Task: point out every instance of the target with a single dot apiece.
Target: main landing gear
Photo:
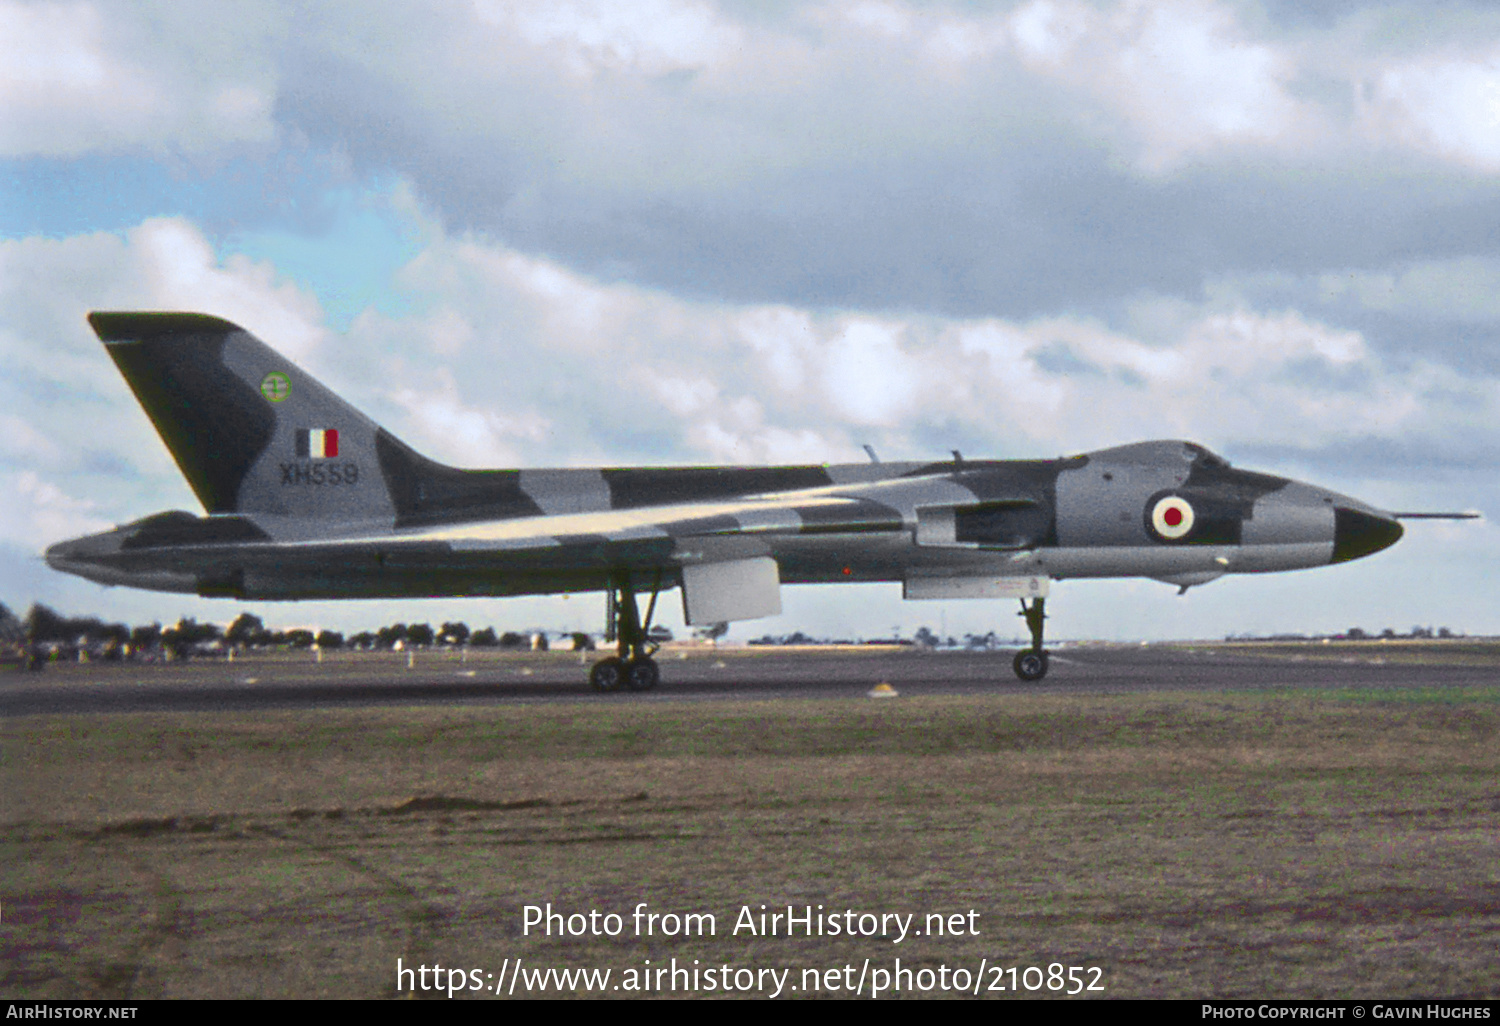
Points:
(632, 667)
(1031, 663)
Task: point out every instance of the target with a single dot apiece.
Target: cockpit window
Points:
(1208, 459)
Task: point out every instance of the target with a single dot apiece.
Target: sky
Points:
(574, 233)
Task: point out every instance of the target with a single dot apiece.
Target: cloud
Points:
(478, 437)
(961, 160)
(38, 512)
(80, 430)
(650, 37)
(80, 77)
(1465, 290)
(583, 371)
(176, 268)
(1186, 77)
(1448, 106)
(676, 96)
(889, 156)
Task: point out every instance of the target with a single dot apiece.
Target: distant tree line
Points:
(1358, 634)
(1354, 634)
(46, 632)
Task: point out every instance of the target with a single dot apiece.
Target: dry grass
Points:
(1189, 845)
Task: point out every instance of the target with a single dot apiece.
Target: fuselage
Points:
(1167, 510)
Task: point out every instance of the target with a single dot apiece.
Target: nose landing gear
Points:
(1031, 663)
(632, 666)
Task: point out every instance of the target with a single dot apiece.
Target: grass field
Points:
(1312, 845)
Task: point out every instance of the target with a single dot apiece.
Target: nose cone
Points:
(1356, 534)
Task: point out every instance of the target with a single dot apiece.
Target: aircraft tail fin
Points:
(251, 431)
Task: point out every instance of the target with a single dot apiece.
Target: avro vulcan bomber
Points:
(309, 499)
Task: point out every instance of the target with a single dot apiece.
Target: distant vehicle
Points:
(308, 498)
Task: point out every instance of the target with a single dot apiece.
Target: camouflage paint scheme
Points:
(379, 520)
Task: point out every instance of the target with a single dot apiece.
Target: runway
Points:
(356, 680)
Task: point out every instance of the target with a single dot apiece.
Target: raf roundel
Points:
(1172, 518)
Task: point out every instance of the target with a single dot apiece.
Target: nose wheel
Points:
(1031, 663)
(632, 667)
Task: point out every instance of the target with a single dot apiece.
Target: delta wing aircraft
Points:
(308, 498)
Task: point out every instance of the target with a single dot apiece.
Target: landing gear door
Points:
(974, 587)
(742, 589)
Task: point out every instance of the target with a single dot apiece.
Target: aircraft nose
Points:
(1357, 533)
